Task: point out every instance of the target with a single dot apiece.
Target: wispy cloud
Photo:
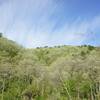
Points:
(40, 22)
(80, 31)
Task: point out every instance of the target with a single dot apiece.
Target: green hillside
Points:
(49, 73)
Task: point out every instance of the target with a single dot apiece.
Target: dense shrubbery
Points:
(59, 73)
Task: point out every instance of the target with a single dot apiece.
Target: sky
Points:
(37, 23)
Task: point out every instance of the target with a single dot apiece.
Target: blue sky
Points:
(34, 23)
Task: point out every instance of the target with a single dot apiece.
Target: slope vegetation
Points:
(49, 73)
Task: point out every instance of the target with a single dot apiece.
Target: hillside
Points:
(49, 73)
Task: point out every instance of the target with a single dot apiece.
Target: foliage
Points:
(49, 73)
(0, 35)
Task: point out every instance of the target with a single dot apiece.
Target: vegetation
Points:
(0, 34)
(49, 73)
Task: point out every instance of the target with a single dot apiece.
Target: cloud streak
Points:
(35, 23)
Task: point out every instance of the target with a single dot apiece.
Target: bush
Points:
(90, 47)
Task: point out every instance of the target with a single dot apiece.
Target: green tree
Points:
(0, 35)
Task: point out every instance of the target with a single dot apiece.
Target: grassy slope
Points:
(57, 73)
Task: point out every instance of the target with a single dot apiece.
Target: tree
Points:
(0, 35)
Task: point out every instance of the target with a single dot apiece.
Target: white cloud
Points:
(77, 31)
(29, 23)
